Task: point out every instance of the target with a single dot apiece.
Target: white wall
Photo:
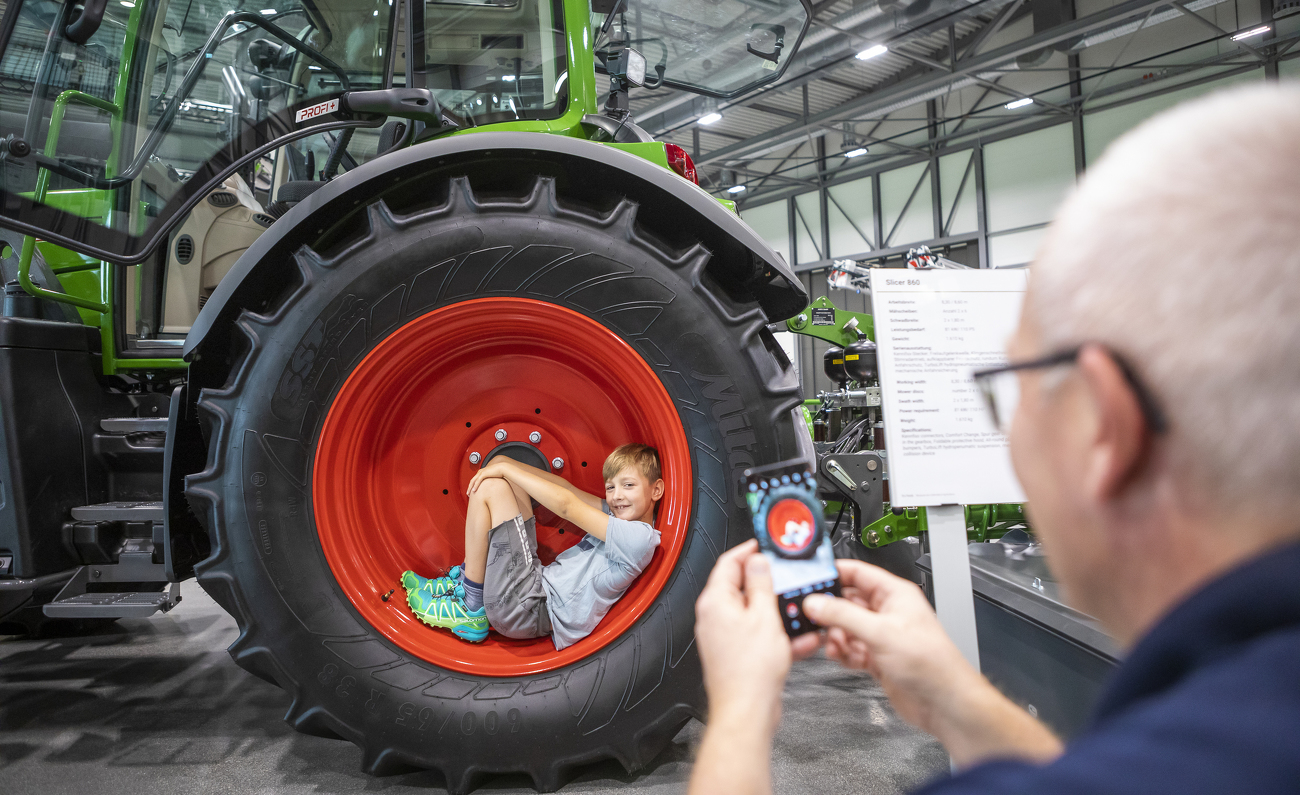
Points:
(851, 215)
(808, 228)
(772, 223)
(917, 223)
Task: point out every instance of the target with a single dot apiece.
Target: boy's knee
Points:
(493, 489)
(499, 498)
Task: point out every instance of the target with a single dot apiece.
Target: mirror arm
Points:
(87, 23)
(659, 70)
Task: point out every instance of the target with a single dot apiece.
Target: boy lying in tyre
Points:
(504, 585)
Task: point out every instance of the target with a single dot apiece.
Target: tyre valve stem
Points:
(390, 593)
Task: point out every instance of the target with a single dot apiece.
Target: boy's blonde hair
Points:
(643, 456)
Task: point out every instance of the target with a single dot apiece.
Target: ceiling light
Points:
(711, 118)
(1019, 103)
(1246, 34)
(127, 3)
(859, 152)
(736, 189)
(268, 11)
(872, 52)
(508, 78)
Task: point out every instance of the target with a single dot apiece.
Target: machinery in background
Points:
(847, 274)
(848, 431)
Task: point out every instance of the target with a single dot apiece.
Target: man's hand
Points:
(746, 656)
(743, 646)
(884, 625)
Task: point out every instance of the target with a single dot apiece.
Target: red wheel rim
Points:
(405, 421)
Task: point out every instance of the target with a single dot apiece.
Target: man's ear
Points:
(657, 490)
(1120, 439)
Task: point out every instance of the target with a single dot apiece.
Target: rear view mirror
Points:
(766, 41)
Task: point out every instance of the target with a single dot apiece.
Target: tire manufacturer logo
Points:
(316, 110)
(729, 412)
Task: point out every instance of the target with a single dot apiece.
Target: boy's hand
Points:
(497, 469)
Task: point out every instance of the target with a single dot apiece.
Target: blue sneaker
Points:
(436, 586)
(449, 612)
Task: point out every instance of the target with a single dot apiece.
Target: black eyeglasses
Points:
(1001, 388)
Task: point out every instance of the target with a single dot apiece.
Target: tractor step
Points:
(90, 592)
(134, 425)
(120, 512)
(127, 604)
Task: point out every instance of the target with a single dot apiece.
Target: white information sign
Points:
(933, 329)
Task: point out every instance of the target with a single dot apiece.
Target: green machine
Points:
(848, 433)
(279, 278)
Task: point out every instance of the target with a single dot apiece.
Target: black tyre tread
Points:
(218, 575)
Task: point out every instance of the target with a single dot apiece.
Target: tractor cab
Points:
(164, 136)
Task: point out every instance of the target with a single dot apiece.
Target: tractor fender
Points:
(742, 263)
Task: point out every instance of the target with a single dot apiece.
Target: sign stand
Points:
(954, 598)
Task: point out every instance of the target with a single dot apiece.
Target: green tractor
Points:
(280, 279)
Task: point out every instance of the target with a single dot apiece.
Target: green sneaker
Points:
(436, 586)
(448, 612)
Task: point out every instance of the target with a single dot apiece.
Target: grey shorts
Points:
(512, 586)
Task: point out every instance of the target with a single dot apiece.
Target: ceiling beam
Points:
(932, 80)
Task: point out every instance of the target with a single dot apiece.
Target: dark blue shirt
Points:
(1208, 702)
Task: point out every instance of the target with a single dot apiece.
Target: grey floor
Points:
(157, 706)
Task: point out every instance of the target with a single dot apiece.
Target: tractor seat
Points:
(296, 190)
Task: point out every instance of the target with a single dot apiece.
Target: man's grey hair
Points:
(1180, 251)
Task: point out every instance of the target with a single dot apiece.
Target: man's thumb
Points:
(831, 611)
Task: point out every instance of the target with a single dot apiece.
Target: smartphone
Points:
(790, 526)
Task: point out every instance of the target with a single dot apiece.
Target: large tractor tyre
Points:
(340, 449)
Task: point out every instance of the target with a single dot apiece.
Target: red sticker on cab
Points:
(316, 110)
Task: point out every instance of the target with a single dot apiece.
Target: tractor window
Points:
(495, 60)
(130, 128)
(721, 48)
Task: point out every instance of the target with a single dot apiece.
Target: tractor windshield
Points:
(495, 60)
(122, 131)
(722, 48)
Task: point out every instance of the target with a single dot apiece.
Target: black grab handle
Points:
(84, 26)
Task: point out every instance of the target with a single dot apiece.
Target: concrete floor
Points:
(157, 706)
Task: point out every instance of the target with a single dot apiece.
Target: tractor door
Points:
(118, 117)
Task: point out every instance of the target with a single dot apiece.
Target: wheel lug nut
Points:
(501, 434)
(474, 458)
(534, 437)
(557, 463)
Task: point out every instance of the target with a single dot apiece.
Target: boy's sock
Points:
(473, 593)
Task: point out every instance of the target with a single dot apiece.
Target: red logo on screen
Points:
(790, 524)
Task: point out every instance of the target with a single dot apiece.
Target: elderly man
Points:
(1157, 436)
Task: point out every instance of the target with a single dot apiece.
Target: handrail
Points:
(42, 188)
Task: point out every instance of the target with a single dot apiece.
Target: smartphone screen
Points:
(791, 530)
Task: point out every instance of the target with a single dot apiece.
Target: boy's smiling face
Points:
(631, 496)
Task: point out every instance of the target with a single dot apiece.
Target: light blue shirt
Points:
(587, 579)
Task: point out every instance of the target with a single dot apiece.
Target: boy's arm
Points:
(564, 500)
(589, 499)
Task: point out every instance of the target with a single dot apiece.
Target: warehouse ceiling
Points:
(947, 73)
